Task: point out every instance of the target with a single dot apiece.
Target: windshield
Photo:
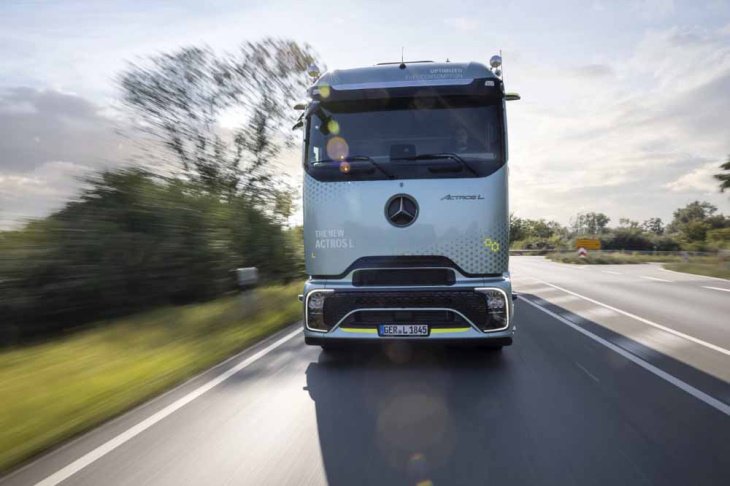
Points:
(405, 139)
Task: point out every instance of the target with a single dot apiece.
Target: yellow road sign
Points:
(588, 243)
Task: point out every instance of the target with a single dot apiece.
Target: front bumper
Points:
(461, 338)
(462, 331)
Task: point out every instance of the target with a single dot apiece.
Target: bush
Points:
(719, 238)
(627, 239)
(534, 243)
(665, 243)
(131, 242)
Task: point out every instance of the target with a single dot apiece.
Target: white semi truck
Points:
(406, 220)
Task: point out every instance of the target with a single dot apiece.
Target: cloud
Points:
(594, 71)
(700, 179)
(38, 192)
(49, 138)
(652, 10)
(462, 23)
(39, 126)
(635, 136)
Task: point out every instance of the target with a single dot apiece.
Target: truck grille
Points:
(473, 305)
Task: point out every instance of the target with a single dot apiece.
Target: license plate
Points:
(403, 330)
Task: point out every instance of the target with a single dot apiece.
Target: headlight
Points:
(497, 309)
(315, 310)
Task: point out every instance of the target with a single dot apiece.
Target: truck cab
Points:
(405, 199)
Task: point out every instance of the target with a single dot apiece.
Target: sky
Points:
(625, 104)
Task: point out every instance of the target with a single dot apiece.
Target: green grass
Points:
(712, 266)
(611, 258)
(717, 269)
(52, 391)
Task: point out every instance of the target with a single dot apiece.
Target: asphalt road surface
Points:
(619, 375)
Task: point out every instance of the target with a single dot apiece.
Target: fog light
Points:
(315, 310)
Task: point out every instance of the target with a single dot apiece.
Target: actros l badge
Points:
(468, 197)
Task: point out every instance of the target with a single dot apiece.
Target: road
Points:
(619, 375)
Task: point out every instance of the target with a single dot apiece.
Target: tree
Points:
(180, 98)
(517, 230)
(134, 240)
(653, 225)
(590, 223)
(694, 220)
(724, 178)
(694, 211)
(628, 224)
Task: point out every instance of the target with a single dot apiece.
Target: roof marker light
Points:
(313, 71)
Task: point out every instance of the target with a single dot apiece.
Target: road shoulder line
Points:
(716, 288)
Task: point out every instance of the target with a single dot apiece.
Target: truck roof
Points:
(413, 74)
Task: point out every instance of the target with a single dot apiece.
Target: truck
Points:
(405, 206)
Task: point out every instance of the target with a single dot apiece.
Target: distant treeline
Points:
(695, 227)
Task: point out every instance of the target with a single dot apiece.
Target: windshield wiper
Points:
(358, 158)
(455, 157)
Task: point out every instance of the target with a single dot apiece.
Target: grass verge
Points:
(52, 391)
(711, 266)
(611, 258)
(719, 269)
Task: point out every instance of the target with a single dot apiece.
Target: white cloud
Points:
(699, 180)
(628, 138)
(652, 10)
(36, 193)
(462, 23)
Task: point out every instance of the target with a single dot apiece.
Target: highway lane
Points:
(680, 300)
(558, 407)
(671, 313)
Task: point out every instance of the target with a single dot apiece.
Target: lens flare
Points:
(324, 91)
(337, 148)
(345, 168)
(333, 127)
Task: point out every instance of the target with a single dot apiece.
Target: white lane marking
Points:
(587, 372)
(610, 272)
(562, 299)
(595, 312)
(711, 401)
(130, 433)
(656, 279)
(716, 288)
(645, 321)
(686, 274)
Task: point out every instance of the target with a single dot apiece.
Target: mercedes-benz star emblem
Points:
(401, 210)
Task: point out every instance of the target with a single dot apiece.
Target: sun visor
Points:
(484, 87)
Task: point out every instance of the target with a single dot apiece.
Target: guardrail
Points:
(622, 252)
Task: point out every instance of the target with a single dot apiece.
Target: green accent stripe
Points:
(433, 331)
(362, 331)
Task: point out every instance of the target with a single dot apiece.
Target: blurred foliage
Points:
(135, 240)
(724, 177)
(179, 99)
(52, 391)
